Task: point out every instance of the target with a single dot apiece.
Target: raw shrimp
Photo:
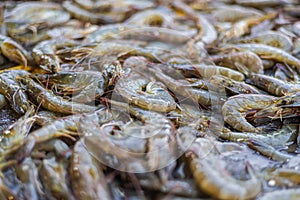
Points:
(52, 102)
(268, 52)
(235, 109)
(136, 89)
(268, 150)
(12, 90)
(209, 173)
(86, 176)
(233, 60)
(45, 56)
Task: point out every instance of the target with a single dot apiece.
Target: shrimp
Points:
(109, 52)
(206, 31)
(137, 146)
(136, 89)
(271, 38)
(120, 31)
(27, 172)
(284, 107)
(271, 53)
(87, 179)
(53, 175)
(207, 71)
(232, 86)
(57, 146)
(119, 12)
(89, 16)
(64, 127)
(52, 102)
(285, 176)
(208, 171)
(268, 150)
(235, 109)
(234, 13)
(27, 21)
(242, 27)
(233, 60)
(14, 51)
(45, 117)
(45, 56)
(12, 90)
(277, 138)
(84, 86)
(13, 136)
(178, 87)
(273, 85)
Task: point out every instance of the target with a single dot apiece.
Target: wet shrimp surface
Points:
(152, 99)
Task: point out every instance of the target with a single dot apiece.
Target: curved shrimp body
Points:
(117, 12)
(138, 90)
(50, 101)
(12, 90)
(286, 176)
(137, 146)
(211, 179)
(270, 38)
(235, 110)
(206, 31)
(15, 134)
(44, 53)
(178, 87)
(233, 60)
(268, 52)
(88, 16)
(87, 179)
(14, 51)
(47, 12)
(58, 128)
(273, 85)
(84, 86)
(27, 21)
(242, 27)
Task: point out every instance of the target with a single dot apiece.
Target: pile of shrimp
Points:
(152, 99)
